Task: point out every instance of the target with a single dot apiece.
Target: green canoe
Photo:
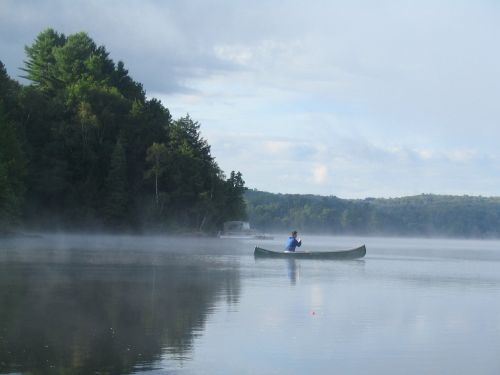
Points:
(358, 252)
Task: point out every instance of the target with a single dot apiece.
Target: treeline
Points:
(422, 215)
(81, 147)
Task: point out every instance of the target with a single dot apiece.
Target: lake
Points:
(157, 305)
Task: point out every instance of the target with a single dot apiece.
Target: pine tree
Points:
(116, 205)
(41, 64)
(11, 174)
(12, 160)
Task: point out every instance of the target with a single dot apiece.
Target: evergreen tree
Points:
(156, 156)
(41, 64)
(12, 159)
(11, 174)
(235, 208)
(116, 204)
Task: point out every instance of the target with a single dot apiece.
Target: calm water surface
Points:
(157, 305)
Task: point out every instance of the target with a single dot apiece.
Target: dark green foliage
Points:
(235, 189)
(190, 167)
(115, 207)
(9, 204)
(130, 89)
(427, 215)
(12, 161)
(85, 127)
(191, 186)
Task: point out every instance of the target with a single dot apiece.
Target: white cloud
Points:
(320, 174)
(237, 54)
(426, 154)
(278, 147)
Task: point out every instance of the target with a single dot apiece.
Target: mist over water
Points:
(130, 304)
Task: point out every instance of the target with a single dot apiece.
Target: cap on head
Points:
(294, 233)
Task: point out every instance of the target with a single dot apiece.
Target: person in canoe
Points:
(292, 242)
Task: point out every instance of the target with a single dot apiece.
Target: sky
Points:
(348, 98)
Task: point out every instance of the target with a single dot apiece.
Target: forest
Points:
(421, 215)
(83, 148)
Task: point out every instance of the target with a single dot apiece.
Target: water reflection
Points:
(123, 304)
(297, 270)
(83, 318)
(293, 271)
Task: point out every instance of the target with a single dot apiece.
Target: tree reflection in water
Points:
(84, 318)
(293, 271)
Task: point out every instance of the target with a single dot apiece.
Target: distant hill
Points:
(421, 215)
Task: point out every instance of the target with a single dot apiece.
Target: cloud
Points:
(362, 98)
(320, 174)
(278, 147)
(161, 44)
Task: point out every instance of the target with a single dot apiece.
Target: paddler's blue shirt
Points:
(292, 243)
